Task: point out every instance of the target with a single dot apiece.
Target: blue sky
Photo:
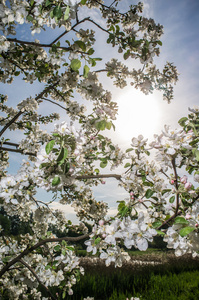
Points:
(139, 113)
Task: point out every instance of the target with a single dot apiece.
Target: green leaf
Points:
(81, 44)
(6, 259)
(97, 58)
(195, 141)
(51, 14)
(147, 152)
(126, 54)
(56, 134)
(57, 12)
(29, 18)
(93, 62)
(159, 232)
(75, 64)
(172, 199)
(86, 71)
(83, 2)
(124, 210)
(127, 165)
(196, 153)
(156, 224)
(112, 147)
(90, 51)
(121, 204)
(108, 125)
(48, 2)
(180, 220)
(43, 165)
(70, 248)
(66, 167)
(146, 183)
(100, 125)
(149, 193)
(56, 180)
(103, 164)
(47, 267)
(50, 146)
(57, 248)
(186, 230)
(96, 171)
(62, 155)
(129, 149)
(182, 121)
(66, 14)
(64, 295)
(165, 191)
(159, 43)
(97, 240)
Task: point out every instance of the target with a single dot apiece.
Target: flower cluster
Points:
(69, 161)
(127, 231)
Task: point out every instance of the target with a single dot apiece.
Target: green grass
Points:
(178, 279)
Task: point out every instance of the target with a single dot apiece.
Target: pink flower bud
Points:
(188, 185)
(172, 181)
(103, 182)
(183, 179)
(196, 225)
(103, 235)
(188, 216)
(131, 193)
(101, 222)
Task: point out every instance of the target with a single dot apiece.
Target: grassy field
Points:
(150, 276)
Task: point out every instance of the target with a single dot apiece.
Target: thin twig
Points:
(35, 275)
(54, 103)
(21, 112)
(116, 176)
(176, 185)
(18, 151)
(37, 44)
(66, 31)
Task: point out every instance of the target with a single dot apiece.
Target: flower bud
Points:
(188, 185)
(183, 179)
(188, 216)
(101, 222)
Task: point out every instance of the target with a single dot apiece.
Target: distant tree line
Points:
(12, 225)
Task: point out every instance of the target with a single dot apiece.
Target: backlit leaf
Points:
(50, 146)
(186, 230)
(75, 64)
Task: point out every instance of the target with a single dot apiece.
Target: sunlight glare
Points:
(137, 114)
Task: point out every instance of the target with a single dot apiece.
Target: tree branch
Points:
(39, 244)
(176, 185)
(66, 31)
(54, 103)
(103, 29)
(37, 44)
(21, 112)
(18, 151)
(116, 176)
(35, 275)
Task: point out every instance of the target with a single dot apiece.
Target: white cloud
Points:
(67, 210)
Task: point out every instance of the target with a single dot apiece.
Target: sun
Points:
(137, 114)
